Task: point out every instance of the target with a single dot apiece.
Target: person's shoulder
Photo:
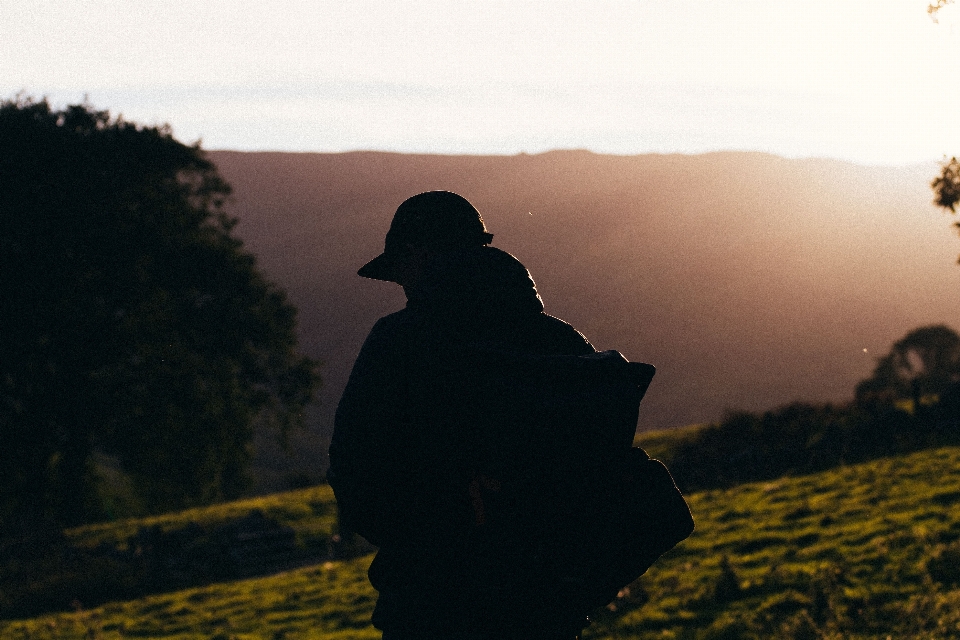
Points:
(391, 329)
(405, 328)
(393, 321)
(563, 335)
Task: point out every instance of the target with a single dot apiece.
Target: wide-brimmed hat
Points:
(439, 220)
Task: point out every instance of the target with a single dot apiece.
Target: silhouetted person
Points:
(402, 458)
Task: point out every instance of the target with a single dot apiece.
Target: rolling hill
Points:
(749, 280)
(858, 552)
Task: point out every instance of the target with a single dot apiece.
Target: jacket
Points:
(403, 453)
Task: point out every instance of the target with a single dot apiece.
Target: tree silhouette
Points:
(934, 7)
(946, 186)
(132, 322)
(920, 368)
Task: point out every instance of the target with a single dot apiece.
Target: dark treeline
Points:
(138, 339)
(911, 402)
(804, 438)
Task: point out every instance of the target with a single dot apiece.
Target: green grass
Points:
(866, 551)
(310, 512)
(659, 444)
(845, 552)
(332, 600)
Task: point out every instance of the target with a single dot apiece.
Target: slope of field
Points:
(749, 280)
(867, 551)
(310, 512)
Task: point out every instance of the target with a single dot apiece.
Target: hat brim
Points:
(380, 268)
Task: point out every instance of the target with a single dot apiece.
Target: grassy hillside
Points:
(867, 551)
(311, 512)
(658, 444)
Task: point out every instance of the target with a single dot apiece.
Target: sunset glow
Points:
(864, 80)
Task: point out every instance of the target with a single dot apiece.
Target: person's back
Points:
(406, 453)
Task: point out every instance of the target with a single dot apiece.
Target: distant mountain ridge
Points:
(748, 279)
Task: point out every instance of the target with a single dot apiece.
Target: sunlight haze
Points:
(862, 80)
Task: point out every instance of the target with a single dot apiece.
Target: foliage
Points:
(744, 446)
(846, 553)
(946, 186)
(934, 7)
(921, 367)
(911, 401)
(133, 324)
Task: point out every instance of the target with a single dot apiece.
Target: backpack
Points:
(557, 486)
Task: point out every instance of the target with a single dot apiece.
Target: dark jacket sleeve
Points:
(367, 449)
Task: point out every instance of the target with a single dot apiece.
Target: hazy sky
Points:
(874, 81)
